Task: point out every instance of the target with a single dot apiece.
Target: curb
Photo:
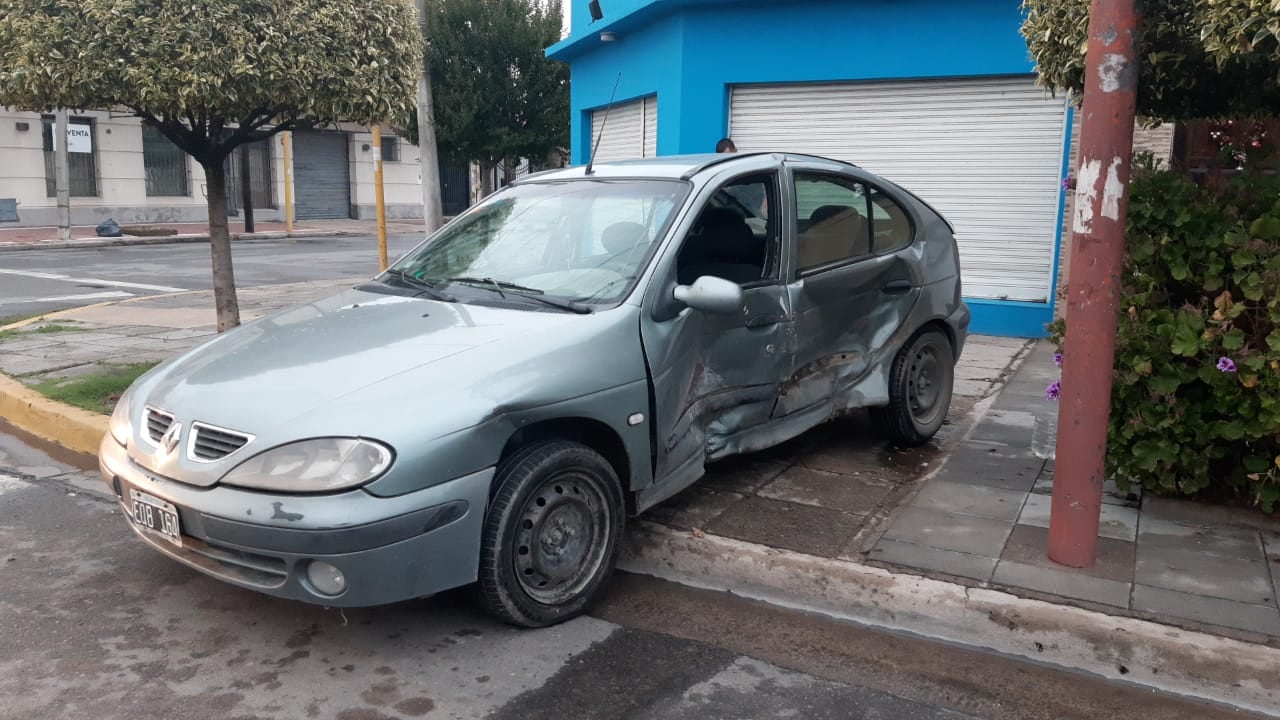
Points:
(1139, 652)
(71, 427)
(169, 240)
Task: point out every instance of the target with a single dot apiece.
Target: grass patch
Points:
(97, 392)
(39, 330)
(11, 319)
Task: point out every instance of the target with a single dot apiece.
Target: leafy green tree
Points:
(497, 96)
(1198, 58)
(213, 74)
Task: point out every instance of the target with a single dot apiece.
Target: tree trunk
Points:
(246, 188)
(224, 279)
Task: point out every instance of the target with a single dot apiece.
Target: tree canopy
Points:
(1199, 59)
(497, 96)
(214, 74)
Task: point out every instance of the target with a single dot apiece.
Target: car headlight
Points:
(318, 465)
(119, 425)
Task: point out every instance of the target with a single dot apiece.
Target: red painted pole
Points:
(1097, 256)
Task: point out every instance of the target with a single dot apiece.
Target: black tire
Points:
(920, 385)
(552, 534)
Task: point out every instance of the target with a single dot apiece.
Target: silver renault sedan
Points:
(573, 350)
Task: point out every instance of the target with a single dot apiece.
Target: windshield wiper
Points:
(419, 284)
(525, 292)
(497, 284)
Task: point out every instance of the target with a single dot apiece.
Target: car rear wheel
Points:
(552, 534)
(920, 385)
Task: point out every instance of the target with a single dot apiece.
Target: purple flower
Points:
(1066, 183)
(1054, 390)
(1057, 359)
(1226, 365)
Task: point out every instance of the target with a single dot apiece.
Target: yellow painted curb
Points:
(66, 425)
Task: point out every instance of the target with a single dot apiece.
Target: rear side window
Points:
(890, 224)
(833, 221)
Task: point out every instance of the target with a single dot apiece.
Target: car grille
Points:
(210, 443)
(158, 421)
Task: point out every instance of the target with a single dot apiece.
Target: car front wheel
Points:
(920, 385)
(552, 534)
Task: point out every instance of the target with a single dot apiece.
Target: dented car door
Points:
(716, 377)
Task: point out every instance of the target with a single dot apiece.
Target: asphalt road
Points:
(94, 624)
(39, 281)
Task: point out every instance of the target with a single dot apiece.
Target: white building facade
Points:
(123, 170)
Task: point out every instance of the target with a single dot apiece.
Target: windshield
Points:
(581, 241)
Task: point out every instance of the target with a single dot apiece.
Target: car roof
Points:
(673, 167)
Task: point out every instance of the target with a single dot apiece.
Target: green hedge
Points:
(1195, 406)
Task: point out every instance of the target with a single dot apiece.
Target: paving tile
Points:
(988, 355)
(26, 343)
(692, 508)
(971, 388)
(19, 364)
(860, 457)
(1015, 344)
(742, 474)
(978, 567)
(1271, 539)
(1059, 582)
(1118, 522)
(991, 465)
(966, 371)
(803, 528)
(950, 531)
(1214, 611)
(1186, 570)
(1222, 540)
(1111, 493)
(1029, 545)
(830, 490)
(966, 499)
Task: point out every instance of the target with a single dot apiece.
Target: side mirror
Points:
(712, 295)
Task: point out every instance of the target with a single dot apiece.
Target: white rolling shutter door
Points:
(987, 153)
(651, 126)
(632, 130)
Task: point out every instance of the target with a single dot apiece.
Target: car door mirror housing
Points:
(711, 294)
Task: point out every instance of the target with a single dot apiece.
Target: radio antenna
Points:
(599, 136)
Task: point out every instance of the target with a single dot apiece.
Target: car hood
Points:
(402, 370)
(286, 365)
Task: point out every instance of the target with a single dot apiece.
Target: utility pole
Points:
(246, 188)
(286, 142)
(62, 175)
(432, 213)
(379, 197)
(1097, 257)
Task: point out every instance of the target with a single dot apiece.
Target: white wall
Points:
(122, 191)
(401, 179)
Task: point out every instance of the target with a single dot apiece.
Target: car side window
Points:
(890, 225)
(833, 216)
(735, 236)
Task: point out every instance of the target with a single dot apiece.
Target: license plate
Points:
(153, 515)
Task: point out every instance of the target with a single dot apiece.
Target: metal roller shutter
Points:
(321, 176)
(987, 153)
(632, 130)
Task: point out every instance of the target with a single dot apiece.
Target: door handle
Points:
(894, 287)
(763, 321)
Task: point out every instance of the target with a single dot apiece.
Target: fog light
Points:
(325, 578)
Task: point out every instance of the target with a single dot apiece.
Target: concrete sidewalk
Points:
(22, 238)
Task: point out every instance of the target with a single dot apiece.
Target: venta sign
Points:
(79, 138)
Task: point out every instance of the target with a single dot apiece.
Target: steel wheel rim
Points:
(561, 537)
(924, 384)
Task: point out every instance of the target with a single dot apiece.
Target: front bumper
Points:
(388, 549)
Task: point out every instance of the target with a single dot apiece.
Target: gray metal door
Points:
(321, 176)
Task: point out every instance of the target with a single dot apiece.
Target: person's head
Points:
(726, 146)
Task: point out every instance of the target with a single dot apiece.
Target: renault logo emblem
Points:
(169, 441)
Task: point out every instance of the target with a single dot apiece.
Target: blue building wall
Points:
(691, 52)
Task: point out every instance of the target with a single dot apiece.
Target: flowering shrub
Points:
(1195, 405)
